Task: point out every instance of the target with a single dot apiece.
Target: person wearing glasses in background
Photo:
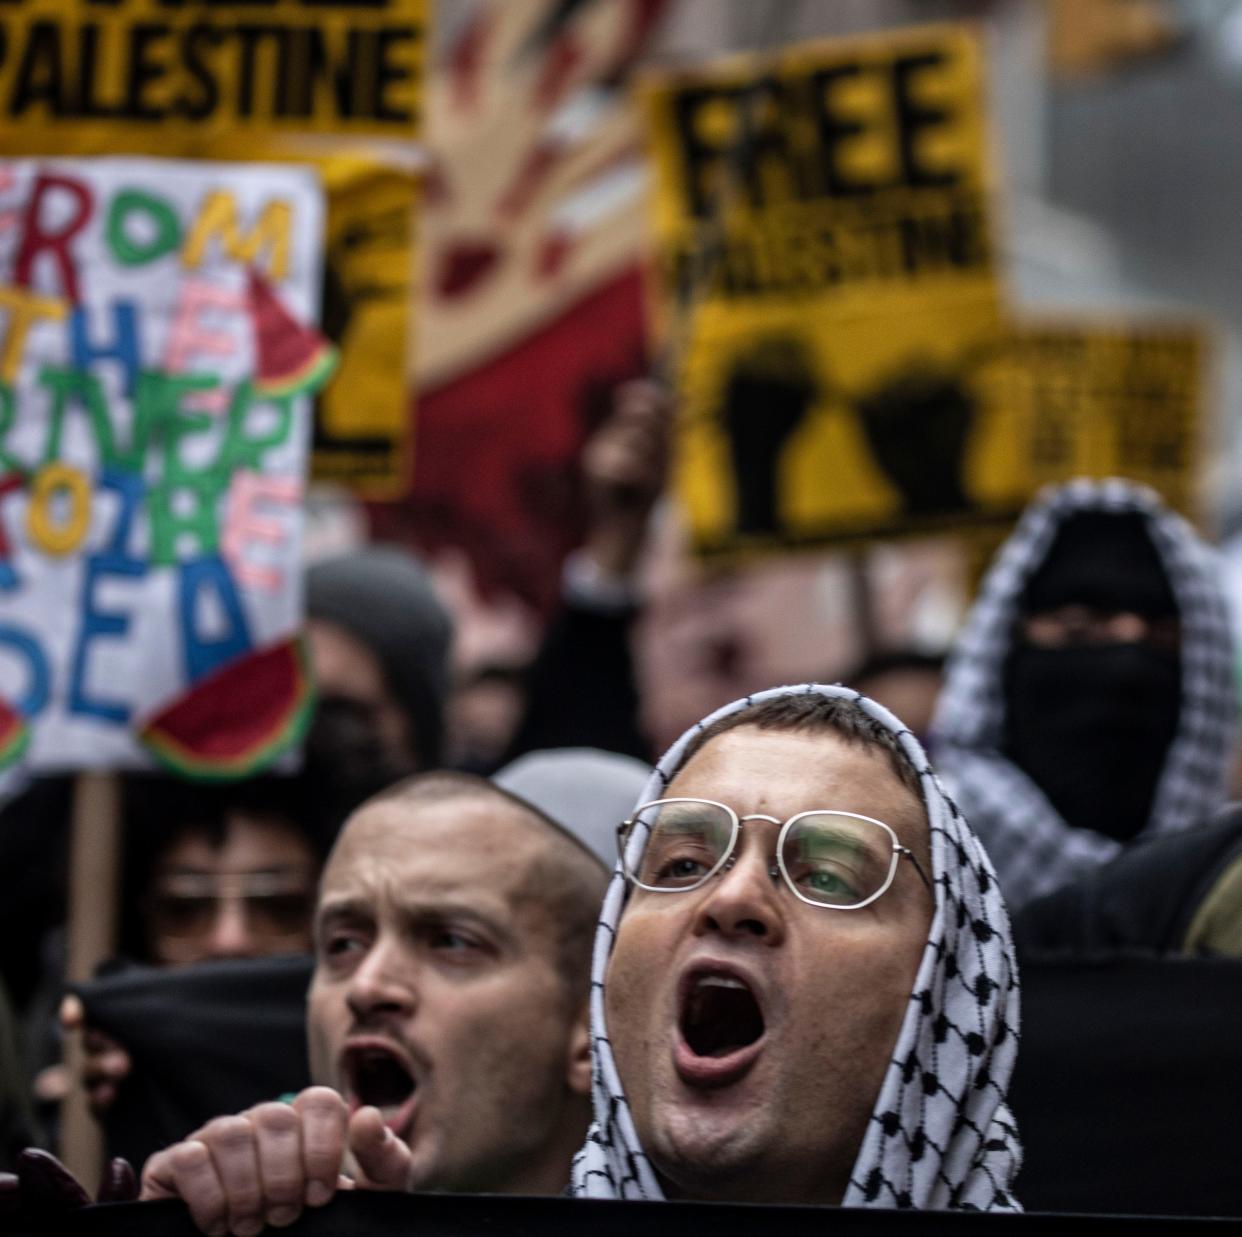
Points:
(1090, 699)
(213, 873)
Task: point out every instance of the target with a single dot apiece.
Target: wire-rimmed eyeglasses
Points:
(839, 860)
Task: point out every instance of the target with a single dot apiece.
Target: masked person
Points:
(380, 642)
(212, 873)
(803, 986)
(1090, 698)
(446, 1017)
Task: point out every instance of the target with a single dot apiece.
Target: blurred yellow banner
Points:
(168, 75)
(333, 83)
(953, 436)
(828, 296)
(826, 261)
(1068, 397)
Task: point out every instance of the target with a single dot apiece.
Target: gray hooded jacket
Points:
(1034, 849)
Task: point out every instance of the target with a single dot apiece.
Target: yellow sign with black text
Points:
(829, 297)
(826, 260)
(879, 437)
(170, 74)
(333, 83)
(1070, 397)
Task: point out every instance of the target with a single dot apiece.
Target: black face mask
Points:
(343, 738)
(1091, 726)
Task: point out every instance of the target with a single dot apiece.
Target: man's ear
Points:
(579, 1073)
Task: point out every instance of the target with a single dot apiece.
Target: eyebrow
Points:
(344, 908)
(684, 822)
(269, 869)
(422, 911)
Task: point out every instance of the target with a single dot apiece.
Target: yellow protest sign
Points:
(363, 418)
(826, 259)
(167, 75)
(333, 83)
(884, 438)
(1068, 397)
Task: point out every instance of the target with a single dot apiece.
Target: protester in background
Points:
(218, 872)
(1090, 699)
(447, 1017)
(483, 713)
(586, 791)
(792, 1001)
(225, 871)
(380, 642)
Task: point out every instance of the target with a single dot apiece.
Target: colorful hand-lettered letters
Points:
(158, 354)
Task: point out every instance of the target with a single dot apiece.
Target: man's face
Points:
(779, 1118)
(436, 994)
(250, 896)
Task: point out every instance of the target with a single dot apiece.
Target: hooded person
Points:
(1090, 697)
(922, 1052)
(380, 641)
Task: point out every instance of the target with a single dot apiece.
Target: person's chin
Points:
(426, 1168)
(701, 1150)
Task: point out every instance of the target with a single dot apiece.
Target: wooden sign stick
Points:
(94, 870)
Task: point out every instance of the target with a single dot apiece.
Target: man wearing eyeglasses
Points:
(804, 986)
(213, 873)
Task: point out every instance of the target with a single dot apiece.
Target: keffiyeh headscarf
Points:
(1034, 849)
(940, 1135)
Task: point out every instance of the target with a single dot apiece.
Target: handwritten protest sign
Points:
(335, 83)
(825, 245)
(157, 362)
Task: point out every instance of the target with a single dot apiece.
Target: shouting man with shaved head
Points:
(446, 1018)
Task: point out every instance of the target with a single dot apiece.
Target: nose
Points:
(382, 984)
(1128, 628)
(231, 936)
(743, 902)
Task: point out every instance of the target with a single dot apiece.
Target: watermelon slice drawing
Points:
(14, 735)
(238, 720)
(291, 359)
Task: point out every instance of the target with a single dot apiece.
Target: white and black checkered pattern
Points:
(1034, 850)
(941, 1135)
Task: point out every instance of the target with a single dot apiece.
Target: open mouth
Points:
(378, 1077)
(719, 1016)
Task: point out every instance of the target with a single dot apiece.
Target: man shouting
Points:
(446, 1017)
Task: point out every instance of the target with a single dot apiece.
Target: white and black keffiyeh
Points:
(1033, 848)
(941, 1134)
